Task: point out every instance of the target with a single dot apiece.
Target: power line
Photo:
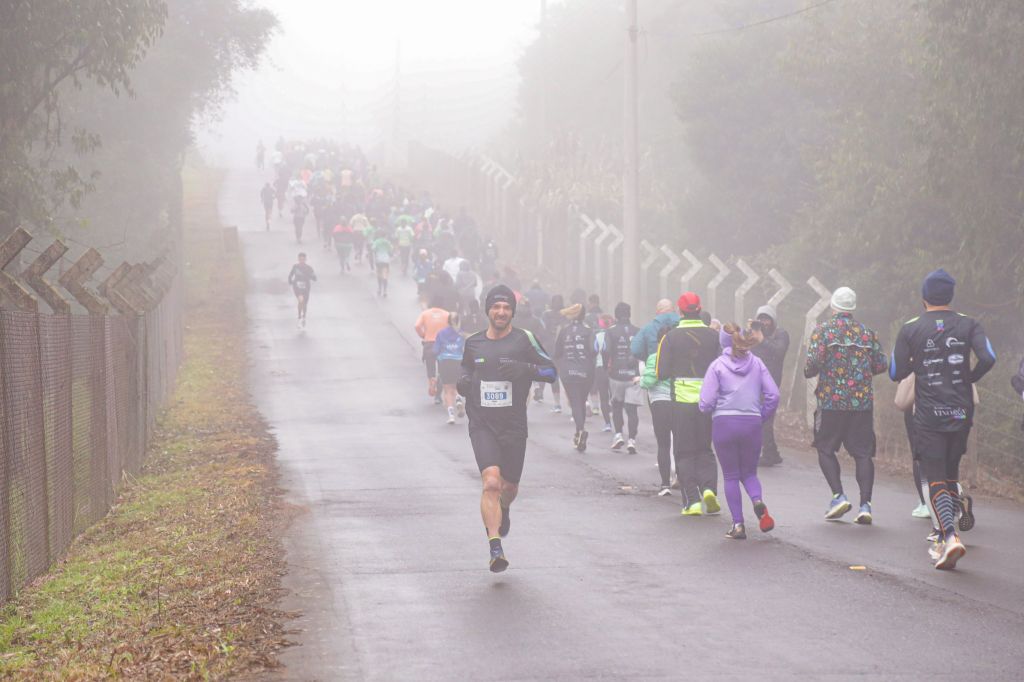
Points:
(763, 21)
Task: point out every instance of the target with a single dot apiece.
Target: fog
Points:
(330, 71)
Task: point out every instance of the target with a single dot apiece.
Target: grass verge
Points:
(179, 581)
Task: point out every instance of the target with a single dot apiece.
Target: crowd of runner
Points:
(491, 346)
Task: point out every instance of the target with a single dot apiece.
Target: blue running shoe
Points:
(864, 515)
(498, 561)
(837, 507)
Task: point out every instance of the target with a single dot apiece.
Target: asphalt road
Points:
(388, 558)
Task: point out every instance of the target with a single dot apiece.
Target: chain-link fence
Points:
(550, 239)
(80, 388)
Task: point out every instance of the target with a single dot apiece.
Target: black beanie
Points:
(938, 288)
(622, 311)
(500, 294)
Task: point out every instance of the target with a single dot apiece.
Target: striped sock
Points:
(943, 505)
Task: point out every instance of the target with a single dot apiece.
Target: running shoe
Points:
(538, 394)
(966, 520)
(631, 446)
(921, 512)
(460, 409)
(693, 510)
(664, 490)
(298, 323)
(864, 515)
(711, 502)
(935, 550)
(594, 409)
(618, 441)
(837, 507)
(737, 532)
(952, 551)
(934, 536)
(557, 409)
(607, 428)
(506, 522)
(765, 520)
(498, 561)
(437, 398)
(582, 444)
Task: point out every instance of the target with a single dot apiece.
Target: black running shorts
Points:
(429, 359)
(852, 429)
(449, 371)
(508, 454)
(941, 445)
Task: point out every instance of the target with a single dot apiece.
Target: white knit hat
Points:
(844, 300)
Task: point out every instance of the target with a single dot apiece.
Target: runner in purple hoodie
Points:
(740, 394)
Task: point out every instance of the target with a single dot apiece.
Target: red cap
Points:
(689, 302)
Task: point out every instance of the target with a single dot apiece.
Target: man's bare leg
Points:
(490, 500)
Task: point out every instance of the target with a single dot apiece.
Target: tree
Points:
(45, 47)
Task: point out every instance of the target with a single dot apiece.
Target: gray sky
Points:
(331, 69)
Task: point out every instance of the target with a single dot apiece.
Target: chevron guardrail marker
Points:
(33, 276)
(691, 272)
(74, 282)
(10, 288)
(752, 278)
(673, 262)
(785, 288)
(645, 279)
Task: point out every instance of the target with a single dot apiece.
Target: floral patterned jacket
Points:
(845, 356)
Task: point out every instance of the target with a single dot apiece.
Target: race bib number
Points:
(301, 285)
(495, 394)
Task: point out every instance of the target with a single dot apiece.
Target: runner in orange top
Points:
(428, 324)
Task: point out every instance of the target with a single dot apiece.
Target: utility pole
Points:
(396, 130)
(544, 74)
(631, 165)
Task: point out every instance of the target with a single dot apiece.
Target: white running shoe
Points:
(952, 551)
(451, 415)
(665, 490)
(618, 441)
(460, 408)
(921, 512)
(631, 446)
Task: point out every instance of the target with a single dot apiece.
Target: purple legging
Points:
(737, 440)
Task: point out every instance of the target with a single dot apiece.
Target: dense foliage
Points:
(864, 142)
(133, 115)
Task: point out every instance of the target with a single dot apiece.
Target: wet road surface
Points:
(387, 555)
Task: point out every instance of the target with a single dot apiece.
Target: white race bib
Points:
(495, 394)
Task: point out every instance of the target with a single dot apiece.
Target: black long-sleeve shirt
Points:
(936, 347)
(494, 401)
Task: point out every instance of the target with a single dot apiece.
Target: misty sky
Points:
(331, 69)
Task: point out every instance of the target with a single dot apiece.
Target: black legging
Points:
(577, 392)
(908, 422)
(632, 417)
(603, 390)
(829, 464)
(691, 446)
(661, 415)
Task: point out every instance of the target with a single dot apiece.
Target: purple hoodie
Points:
(738, 387)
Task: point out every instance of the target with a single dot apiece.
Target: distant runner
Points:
(267, 197)
(499, 366)
(301, 279)
(936, 347)
(845, 356)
